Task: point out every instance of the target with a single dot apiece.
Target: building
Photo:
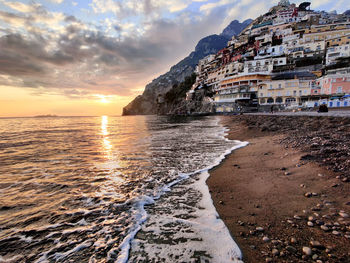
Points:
(265, 66)
(336, 52)
(237, 91)
(287, 89)
(336, 84)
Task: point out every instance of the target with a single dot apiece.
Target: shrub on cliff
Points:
(178, 91)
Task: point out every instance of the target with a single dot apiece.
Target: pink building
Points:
(338, 84)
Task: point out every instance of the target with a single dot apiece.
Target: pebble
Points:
(302, 186)
(336, 233)
(309, 223)
(286, 173)
(275, 252)
(319, 222)
(268, 259)
(311, 218)
(221, 202)
(297, 217)
(307, 251)
(275, 242)
(314, 194)
(316, 244)
(293, 240)
(314, 257)
(324, 228)
(291, 249)
(260, 229)
(308, 194)
(320, 175)
(343, 214)
(266, 239)
(290, 221)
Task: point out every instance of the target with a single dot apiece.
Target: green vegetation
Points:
(178, 91)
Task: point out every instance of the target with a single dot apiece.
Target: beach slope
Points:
(285, 197)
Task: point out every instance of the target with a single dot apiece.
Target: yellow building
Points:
(286, 89)
(338, 41)
(326, 35)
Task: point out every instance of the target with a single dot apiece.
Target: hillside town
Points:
(291, 57)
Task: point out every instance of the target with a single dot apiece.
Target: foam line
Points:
(124, 248)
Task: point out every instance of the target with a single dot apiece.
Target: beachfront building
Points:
(240, 90)
(335, 84)
(288, 89)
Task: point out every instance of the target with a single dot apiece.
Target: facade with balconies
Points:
(264, 66)
(240, 90)
(289, 89)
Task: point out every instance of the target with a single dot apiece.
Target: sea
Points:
(112, 189)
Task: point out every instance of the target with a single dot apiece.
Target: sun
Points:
(103, 99)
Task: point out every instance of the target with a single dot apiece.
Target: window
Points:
(294, 92)
(339, 89)
(300, 92)
(280, 86)
(261, 94)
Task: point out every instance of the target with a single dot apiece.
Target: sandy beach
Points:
(285, 197)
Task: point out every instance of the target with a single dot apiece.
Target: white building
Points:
(264, 66)
(333, 53)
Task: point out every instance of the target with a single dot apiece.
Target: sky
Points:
(92, 57)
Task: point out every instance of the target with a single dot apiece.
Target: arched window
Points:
(279, 100)
(270, 100)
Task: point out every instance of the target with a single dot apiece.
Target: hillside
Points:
(146, 103)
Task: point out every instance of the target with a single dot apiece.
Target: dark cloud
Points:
(80, 59)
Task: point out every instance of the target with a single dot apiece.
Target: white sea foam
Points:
(147, 179)
(216, 239)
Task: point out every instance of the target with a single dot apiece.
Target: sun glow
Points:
(103, 98)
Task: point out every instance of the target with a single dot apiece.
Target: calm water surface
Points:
(111, 189)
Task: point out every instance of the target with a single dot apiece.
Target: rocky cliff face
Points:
(146, 103)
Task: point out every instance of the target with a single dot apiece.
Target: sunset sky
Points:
(91, 57)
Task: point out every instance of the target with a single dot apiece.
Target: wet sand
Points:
(283, 198)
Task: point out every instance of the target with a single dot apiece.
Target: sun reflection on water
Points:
(111, 164)
(107, 146)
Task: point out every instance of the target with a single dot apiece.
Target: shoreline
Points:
(259, 192)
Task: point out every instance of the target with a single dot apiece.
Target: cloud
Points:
(53, 52)
(24, 8)
(115, 48)
(56, 1)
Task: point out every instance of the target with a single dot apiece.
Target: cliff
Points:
(146, 103)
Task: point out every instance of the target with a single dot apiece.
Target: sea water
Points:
(111, 189)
